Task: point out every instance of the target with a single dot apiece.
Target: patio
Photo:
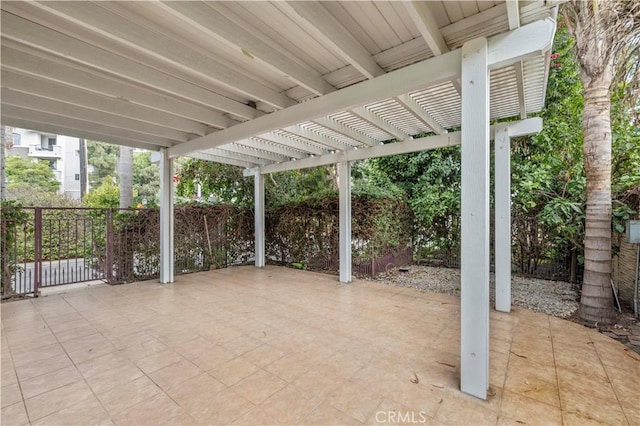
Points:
(280, 346)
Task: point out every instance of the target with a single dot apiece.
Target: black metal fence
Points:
(45, 247)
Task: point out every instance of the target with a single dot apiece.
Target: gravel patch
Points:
(556, 298)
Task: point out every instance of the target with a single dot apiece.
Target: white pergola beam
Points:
(55, 129)
(513, 16)
(310, 147)
(85, 126)
(217, 25)
(258, 153)
(347, 131)
(71, 95)
(474, 270)
(380, 123)
(36, 103)
(205, 155)
(522, 101)
(273, 147)
(316, 19)
(317, 137)
(166, 219)
(259, 219)
(70, 48)
(427, 25)
(23, 62)
(409, 104)
(344, 187)
(220, 152)
(515, 129)
(502, 227)
(520, 44)
(527, 41)
(513, 13)
(162, 48)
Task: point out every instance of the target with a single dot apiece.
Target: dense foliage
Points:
(105, 195)
(35, 174)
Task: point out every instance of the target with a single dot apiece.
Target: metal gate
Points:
(44, 247)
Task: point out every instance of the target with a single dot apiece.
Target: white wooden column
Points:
(474, 330)
(259, 218)
(502, 146)
(344, 186)
(166, 218)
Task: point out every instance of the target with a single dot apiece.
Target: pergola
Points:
(273, 86)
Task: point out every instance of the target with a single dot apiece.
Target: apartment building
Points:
(62, 153)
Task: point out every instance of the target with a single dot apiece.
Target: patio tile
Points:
(46, 382)
(212, 358)
(44, 366)
(110, 378)
(290, 405)
(127, 395)
(196, 393)
(595, 404)
(29, 356)
(139, 350)
(259, 386)
(74, 333)
(10, 394)
(457, 408)
(245, 351)
(355, 400)
(392, 412)
(89, 348)
(522, 410)
(58, 399)
(290, 366)
(242, 344)
(8, 375)
(570, 418)
(101, 363)
(263, 355)
(529, 385)
(158, 360)
(14, 414)
(87, 412)
(256, 416)
(223, 408)
(158, 410)
(325, 414)
(174, 374)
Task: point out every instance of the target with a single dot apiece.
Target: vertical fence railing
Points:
(108, 256)
(37, 282)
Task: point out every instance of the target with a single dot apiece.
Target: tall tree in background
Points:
(102, 158)
(604, 30)
(146, 179)
(125, 171)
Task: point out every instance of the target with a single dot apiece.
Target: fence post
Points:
(109, 246)
(37, 282)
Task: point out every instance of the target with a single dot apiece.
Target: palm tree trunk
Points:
(125, 170)
(596, 303)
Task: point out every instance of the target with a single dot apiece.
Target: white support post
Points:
(166, 218)
(502, 146)
(259, 218)
(344, 184)
(474, 317)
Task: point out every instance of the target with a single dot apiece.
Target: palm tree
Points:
(604, 30)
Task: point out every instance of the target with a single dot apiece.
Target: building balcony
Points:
(52, 153)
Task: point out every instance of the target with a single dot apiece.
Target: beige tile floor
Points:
(280, 346)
